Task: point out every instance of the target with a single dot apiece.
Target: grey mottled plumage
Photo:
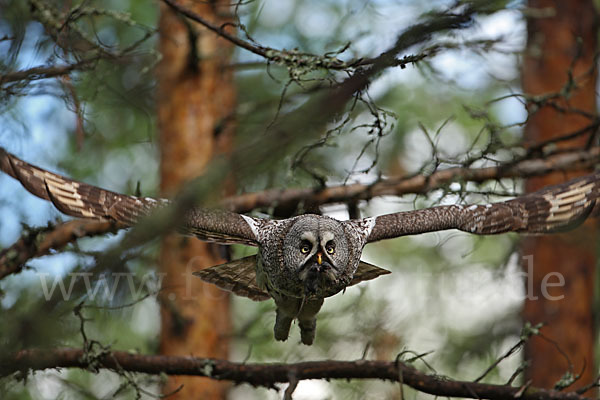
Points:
(302, 260)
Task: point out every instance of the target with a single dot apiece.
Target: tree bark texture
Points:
(560, 59)
(195, 99)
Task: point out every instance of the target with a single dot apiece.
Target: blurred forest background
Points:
(140, 110)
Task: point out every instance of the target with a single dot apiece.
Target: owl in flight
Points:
(303, 259)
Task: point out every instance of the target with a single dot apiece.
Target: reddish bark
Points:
(559, 45)
(195, 96)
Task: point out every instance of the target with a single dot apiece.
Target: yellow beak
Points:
(319, 258)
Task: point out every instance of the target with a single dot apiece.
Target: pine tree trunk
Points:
(558, 46)
(195, 99)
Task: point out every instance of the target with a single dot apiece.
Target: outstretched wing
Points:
(81, 200)
(552, 209)
(239, 277)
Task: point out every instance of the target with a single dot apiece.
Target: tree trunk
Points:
(558, 47)
(195, 98)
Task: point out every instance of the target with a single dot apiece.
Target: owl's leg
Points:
(307, 320)
(282, 325)
(287, 309)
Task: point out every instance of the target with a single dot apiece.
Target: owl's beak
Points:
(317, 274)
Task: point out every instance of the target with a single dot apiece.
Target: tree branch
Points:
(39, 242)
(268, 374)
(296, 58)
(36, 73)
(219, 30)
(292, 198)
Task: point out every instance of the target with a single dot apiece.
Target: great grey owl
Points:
(302, 260)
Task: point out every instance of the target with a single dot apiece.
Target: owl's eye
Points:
(330, 248)
(304, 248)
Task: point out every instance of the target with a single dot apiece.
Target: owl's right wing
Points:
(81, 200)
(238, 277)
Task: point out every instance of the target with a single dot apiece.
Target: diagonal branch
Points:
(37, 73)
(296, 58)
(268, 374)
(40, 242)
(219, 30)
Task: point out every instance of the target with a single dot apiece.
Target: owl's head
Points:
(316, 249)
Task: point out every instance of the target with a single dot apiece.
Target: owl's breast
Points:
(273, 275)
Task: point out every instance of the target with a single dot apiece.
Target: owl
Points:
(306, 258)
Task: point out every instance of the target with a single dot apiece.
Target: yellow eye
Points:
(330, 249)
(304, 249)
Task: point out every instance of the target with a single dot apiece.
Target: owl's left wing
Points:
(81, 200)
(366, 272)
(553, 209)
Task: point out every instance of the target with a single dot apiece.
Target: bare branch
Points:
(268, 374)
(37, 73)
(40, 242)
(219, 30)
(291, 198)
(296, 58)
